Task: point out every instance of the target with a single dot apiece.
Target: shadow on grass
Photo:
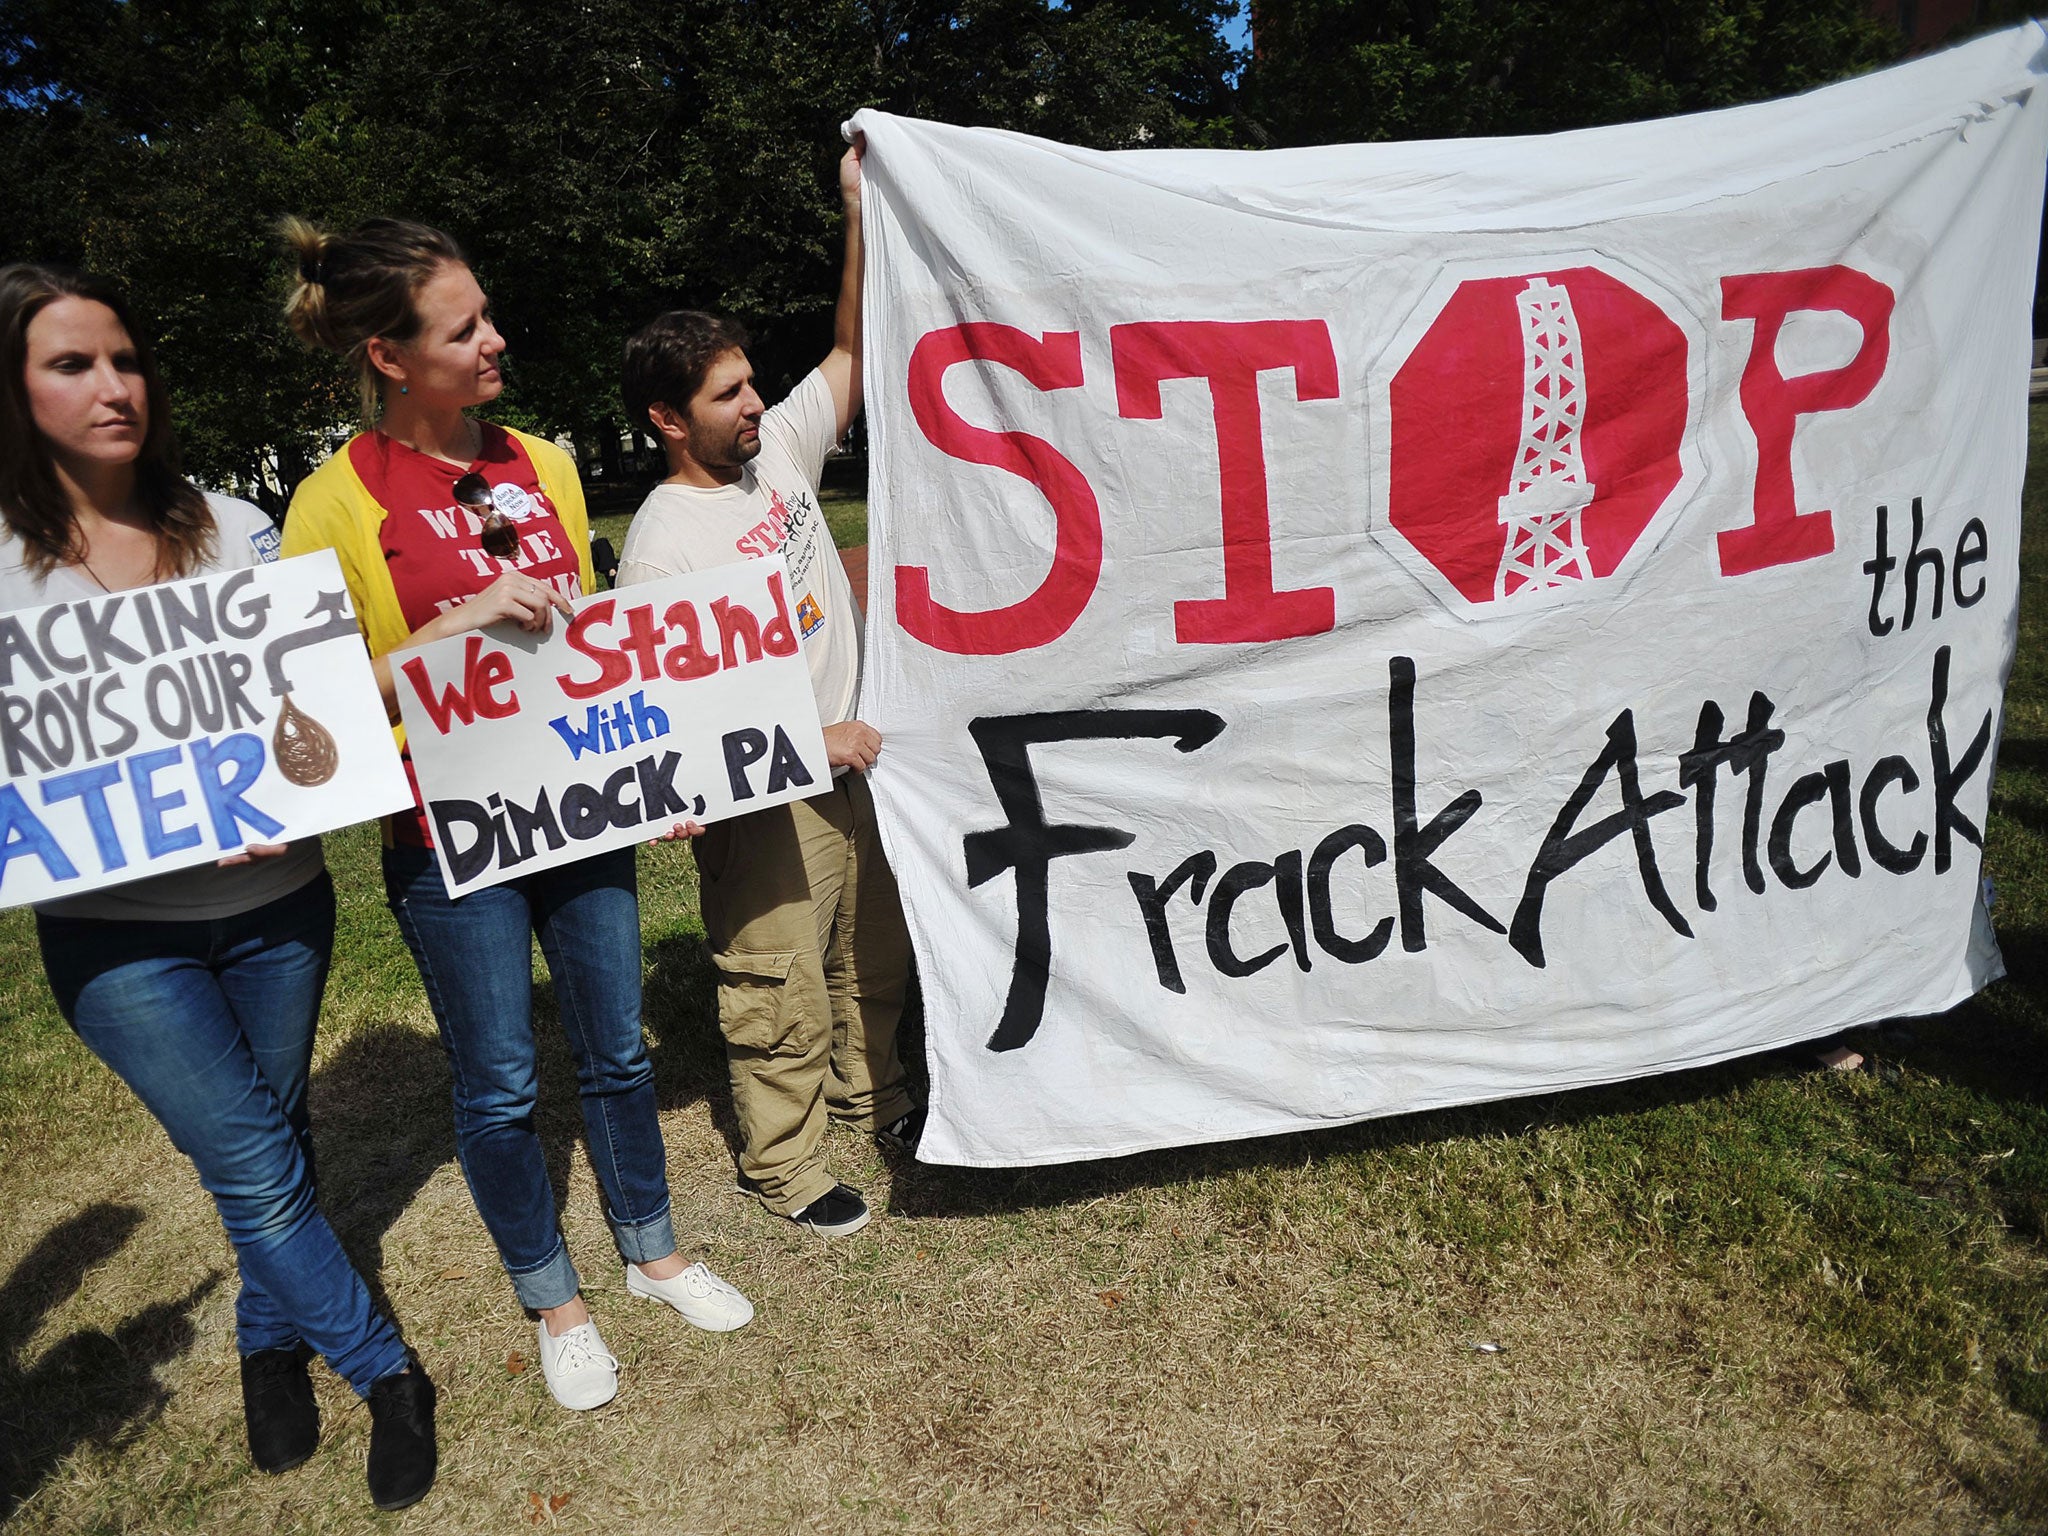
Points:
(382, 1125)
(682, 1024)
(383, 1118)
(1994, 1044)
(924, 1189)
(2026, 755)
(2021, 804)
(1986, 1049)
(90, 1387)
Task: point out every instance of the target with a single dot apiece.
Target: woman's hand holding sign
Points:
(513, 598)
(251, 852)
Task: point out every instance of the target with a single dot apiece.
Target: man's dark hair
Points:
(667, 358)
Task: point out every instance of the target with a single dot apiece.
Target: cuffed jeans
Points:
(211, 1023)
(475, 955)
(806, 929)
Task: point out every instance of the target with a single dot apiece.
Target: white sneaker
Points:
(580, 1370)
(705, 1301)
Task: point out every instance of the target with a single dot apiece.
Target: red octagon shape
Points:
(1456, 416)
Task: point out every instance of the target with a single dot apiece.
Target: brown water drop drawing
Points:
(305, 752)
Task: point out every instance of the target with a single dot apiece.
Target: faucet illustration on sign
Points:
(305, 751)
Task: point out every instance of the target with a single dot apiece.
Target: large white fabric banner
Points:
(1369, 628)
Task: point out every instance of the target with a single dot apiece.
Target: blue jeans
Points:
(211, 1023)
(475, 955)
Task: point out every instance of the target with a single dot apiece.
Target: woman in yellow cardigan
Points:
(444, 523)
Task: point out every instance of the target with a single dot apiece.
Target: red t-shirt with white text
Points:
(434, 545)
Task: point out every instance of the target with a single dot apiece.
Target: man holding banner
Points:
(800, 906)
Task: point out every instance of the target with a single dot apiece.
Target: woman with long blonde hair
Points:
(445, 523)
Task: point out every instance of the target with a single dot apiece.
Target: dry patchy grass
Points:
(1253, 1348)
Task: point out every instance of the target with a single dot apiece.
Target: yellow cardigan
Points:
(333, 509)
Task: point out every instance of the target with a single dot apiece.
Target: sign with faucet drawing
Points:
(174, 725)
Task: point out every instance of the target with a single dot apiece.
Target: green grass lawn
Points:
(1757, 1297)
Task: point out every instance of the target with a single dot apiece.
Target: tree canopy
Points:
(603, 159)
(1332, 71)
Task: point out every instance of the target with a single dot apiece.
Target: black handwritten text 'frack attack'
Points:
(1885, 814)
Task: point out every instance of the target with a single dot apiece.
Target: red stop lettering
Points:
(1051, 362)
(1231, 355)
(1780, 533)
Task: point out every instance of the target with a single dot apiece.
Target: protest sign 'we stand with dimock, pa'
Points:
(682, 699)
(156, 729)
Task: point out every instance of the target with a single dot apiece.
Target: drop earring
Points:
(404, 389)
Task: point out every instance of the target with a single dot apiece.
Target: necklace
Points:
(475, 450)
(84, 563)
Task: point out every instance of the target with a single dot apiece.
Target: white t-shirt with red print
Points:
(771, 508)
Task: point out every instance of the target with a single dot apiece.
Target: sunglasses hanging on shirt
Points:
(500, 538)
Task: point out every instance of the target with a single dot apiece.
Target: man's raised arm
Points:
(842, 366)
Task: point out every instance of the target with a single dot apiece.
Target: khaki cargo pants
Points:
(807, 932)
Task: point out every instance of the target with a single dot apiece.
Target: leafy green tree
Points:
(600, 161)
(135, 143)
(606, 159)
(1327, 71)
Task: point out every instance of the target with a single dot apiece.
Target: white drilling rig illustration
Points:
(1548, 489)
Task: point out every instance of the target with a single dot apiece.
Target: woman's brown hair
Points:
(32, 500)
(353, 287)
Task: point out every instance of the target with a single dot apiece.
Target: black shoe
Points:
(835, 1213)
(902, 1134)
(278, 1407)
(402, 1455)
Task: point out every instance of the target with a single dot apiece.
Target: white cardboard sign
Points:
(672, 700)
(159, 728)
(1375, 627)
